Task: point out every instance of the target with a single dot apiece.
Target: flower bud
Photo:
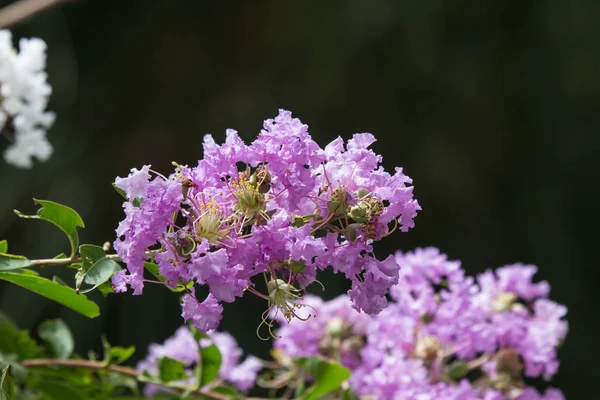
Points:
(359, 213)
(338, 201)
(508, 362)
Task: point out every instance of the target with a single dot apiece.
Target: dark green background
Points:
(488, 105)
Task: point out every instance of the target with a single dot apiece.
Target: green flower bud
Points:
(359, 213)
(338, 201)
(457, 370)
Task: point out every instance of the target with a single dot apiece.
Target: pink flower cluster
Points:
(445, 336)
(183, 347)
(281, 207)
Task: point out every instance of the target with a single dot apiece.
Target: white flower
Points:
(24, 96)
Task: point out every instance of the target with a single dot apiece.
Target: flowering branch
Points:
(100, 365)
(24, 9)
(69, 260)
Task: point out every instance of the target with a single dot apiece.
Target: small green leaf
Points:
(7, 387)
(106, 289)
(210, 360)
(120, 191)
(72, 376)
(9, 262)
(116, 355)
(54, 291)
(59, 391)
(58, 337)
(327, 375)
(15, 341)
(90, 253)
(119, 355)
(229, 391)
(3, 246)
(170, 369)
(211, 363)
(349, 395)
(65, 218)
(457, 370)
(99, 273)
(79, 277)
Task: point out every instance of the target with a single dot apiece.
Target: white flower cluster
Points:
(24, 96)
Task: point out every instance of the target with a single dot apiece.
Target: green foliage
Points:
(95, 269)
(209, 361)
(99, 273)
(9, 262)
(170, 370)
(53, 390)
(14, 341)
(65, 218)
(3, 246)
(116, 355)
(53, 291)
(327, 376)
(7, 388)
(58, 337)
(457, 370)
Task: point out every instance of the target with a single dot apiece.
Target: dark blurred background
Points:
(488, 105)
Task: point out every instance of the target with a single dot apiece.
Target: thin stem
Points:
(70, 260)
(127, 371)
(22, 10)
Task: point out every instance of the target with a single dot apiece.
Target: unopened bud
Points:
(337, 203)
(509, 362)
(359, 213)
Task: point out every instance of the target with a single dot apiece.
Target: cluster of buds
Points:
(281, 207)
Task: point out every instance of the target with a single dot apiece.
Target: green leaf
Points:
(58, 337)
(65, 218)
(229, 391)
(15, 341)
(9, 262)
(119, 355)
(120, 191)
(349, 395)
(106, 289)
(99, 273)
(90, 253)
(457, 370)
(54, 291)
(7, 387)
(116, 355)
(210, 360)
(72, 376)
(170, 369)
(3, 246)
(59, 391)
(211, 363)
(327, 375)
